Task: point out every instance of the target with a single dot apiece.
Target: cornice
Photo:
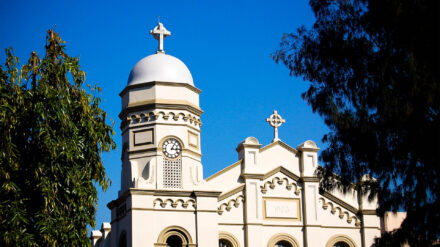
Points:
(339, 201)
(241, 146)
(159, 83)
(152, 105)
(140, 126)
(158, 151)
(310, 179)
(231, 192)
(224, 170)
(154, 192)
(283, 171)
(202, 193)
(252, 176)
(368, 212)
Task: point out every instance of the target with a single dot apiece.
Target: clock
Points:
(171, 148)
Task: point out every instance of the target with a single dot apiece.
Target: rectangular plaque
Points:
(282, 208)
(143, 137)
(193, 139)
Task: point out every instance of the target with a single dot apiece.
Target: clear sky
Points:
(225, 44)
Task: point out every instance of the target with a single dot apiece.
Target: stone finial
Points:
(160, 33)
(275, 120)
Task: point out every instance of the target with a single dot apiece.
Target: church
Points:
(270, 197)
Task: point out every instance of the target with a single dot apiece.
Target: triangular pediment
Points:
(280, 144)
(283, 171)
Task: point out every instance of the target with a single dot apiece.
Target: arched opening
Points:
(224, 243)
(226, 239)
(340, 241)
(174, 236)
(341, 244)
(174, 241)
(283, 244)
(282, 240)
(122, 240)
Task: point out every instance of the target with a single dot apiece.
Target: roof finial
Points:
(160, 33)
(275, 121)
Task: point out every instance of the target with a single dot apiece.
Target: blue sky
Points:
(225, 44)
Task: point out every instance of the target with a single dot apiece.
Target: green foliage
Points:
(374, 74)
(53, 133)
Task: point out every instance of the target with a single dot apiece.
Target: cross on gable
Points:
(160, 33)
(275, 120)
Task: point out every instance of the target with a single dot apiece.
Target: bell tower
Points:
(163, 198)
(160, 124)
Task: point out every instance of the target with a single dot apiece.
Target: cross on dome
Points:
(160, 33)
(275, 120)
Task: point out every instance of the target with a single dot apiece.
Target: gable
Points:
(279, 154)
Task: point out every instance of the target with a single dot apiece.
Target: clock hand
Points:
(175, 147)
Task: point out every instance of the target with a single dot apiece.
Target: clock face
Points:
(171, 148)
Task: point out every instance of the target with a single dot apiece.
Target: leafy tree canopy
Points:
(53, 133)
(374, 74)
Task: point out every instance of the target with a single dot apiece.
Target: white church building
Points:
(269, 197)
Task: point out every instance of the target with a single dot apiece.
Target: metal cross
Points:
(160, 33)
(275, 121)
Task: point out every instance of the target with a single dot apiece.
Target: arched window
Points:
(283, 244)
(174, 241)
(341, 244)
(340, 240)
(224, 243)
(282, 240)
(226, 239)
(122, 240)
(174, 236)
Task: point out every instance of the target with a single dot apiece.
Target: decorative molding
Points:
(203, 193)
(276, 180)
(174, 203)
(135, 191)
(224, 170)
(368, 212)
(228, 205)
(231, 192)
(160, 101)
(310, 179)
(242, 145)
(341, 212)
(338, 201)
(283, 171)
(157, 124)
(158, 151)
(252, 176)
(153, 83)
(153, 115)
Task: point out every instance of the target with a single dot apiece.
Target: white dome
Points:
(160, 67)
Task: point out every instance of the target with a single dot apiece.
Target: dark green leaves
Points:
(53, 134)
(374, 73)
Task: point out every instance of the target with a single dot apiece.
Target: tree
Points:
(53, 133)
(374, 78)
